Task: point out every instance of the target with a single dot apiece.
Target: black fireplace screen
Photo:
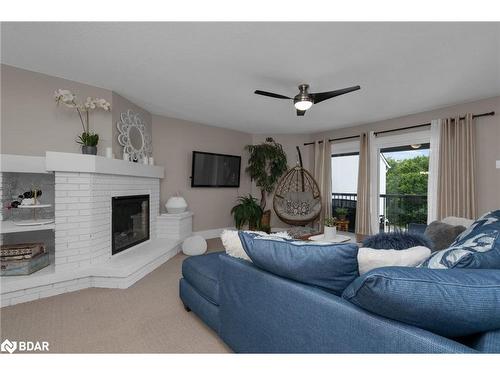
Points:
(130, 221)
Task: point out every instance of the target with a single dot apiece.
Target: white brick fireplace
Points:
(84, 188)
(83, 214)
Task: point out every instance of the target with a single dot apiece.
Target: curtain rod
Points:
(333, 140)
(492, 113)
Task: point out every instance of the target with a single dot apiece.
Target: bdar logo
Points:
(8, 346)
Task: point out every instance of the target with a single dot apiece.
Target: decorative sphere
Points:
(176, 205)
(194, 245)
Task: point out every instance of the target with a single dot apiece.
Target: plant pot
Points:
(89, 150)
(330, 233)
(265, 221)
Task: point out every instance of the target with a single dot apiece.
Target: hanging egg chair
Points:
(297, 200)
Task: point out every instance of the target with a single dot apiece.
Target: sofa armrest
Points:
(264, 313)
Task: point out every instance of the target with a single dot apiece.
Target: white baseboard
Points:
(211, 233)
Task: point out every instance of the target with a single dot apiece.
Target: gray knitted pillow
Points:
(442, 235)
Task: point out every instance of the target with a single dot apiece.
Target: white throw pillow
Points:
(233, 246)
(369, 259)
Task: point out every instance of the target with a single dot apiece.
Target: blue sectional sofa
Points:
(255, 311)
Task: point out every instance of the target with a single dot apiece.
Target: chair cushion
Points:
(202, 272)
(451, 303)
(330, 266)
(477, 247)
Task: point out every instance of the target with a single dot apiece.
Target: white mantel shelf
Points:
(70, 162)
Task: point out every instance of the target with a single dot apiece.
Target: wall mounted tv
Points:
(215, 170)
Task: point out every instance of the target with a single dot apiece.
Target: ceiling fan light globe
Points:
(303, 105)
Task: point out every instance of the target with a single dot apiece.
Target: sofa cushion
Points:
(396, 240)
(202, 272)
(477, 247)
(442, 235)
(451, 303)
(330, 266)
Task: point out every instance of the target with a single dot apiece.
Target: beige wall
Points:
(119, 105)
(289, 143)
(32, 123)
(173, 143)
(487, 138)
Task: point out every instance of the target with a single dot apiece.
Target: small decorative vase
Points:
(176, 205)
(89, 150)
(330, 233)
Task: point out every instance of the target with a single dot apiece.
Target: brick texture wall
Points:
(83, 214)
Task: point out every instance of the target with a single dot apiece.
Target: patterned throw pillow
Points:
(476, 247)
(297, 208)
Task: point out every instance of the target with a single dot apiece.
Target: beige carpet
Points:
(148, 317)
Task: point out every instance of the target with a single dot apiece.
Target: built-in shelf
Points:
(120, 271)
(34, 206)
(70, 162)
(9, 226)
(22, 163)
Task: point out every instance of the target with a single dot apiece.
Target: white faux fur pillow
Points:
(233, 246)
(369, 259)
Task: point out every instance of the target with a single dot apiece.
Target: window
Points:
(345, 163)
(403, 176)
(399, 174)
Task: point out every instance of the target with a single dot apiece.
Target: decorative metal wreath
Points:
(131, 122)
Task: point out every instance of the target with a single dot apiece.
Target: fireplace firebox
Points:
(130, 222)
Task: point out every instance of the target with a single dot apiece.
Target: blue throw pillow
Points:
(397, 240)
(329, 266)
(451, 303)
(476, 247)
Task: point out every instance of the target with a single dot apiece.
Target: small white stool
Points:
(194, 245)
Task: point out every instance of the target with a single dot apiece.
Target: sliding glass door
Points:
(403, 177)
(401, 180)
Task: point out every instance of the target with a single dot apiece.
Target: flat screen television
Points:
(215, 170)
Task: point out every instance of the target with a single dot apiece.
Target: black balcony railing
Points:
(399, 210)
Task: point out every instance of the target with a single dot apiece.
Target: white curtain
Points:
(323, 176)
(432, 182)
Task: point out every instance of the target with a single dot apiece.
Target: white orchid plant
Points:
(67, 98)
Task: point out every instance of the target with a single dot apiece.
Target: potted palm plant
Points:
(266, 164)
(88, 139)
(247, 211)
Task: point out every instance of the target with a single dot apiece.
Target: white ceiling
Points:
(207, 72)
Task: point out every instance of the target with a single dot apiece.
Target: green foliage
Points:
(341, 211)
(266, 165)
(247, 211)
(404, 177)
(330, 221)
(88, 139)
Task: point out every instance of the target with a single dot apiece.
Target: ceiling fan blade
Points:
(271, 94)
(320, 96)
(300, 113)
